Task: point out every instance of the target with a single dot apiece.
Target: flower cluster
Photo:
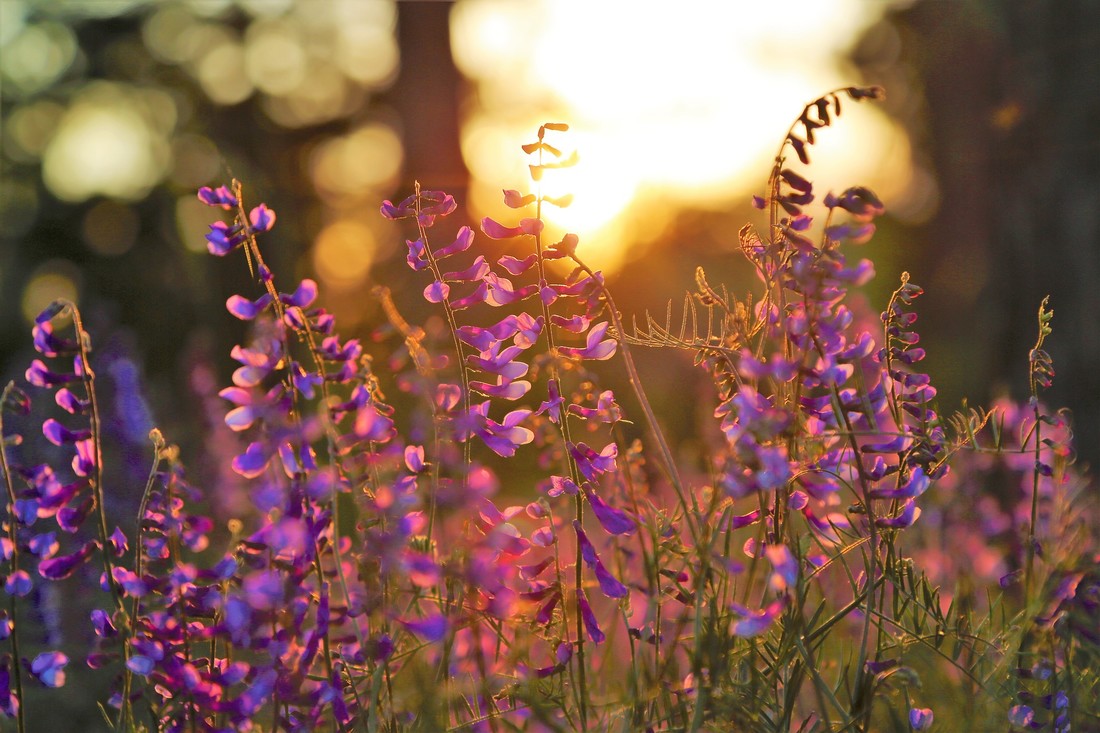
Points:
(385, 573)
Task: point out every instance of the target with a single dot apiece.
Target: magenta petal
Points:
(58, 434)
(609, 584)
(414, 458)
(513, 199)
(475, 272)
(303, 296)
(496, 230)
(590, 624)
(437, 292)
(584, 545)
(462, 243)
(220, 196)
(754, 623)
(58, 568)
(262, 218)
(614, 521)
(245, 309)
(517, 266)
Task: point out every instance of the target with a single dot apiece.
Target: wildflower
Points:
(591, 625)
(49, 668)
(920, 718)
(1020, 716)
(596, 347)
(755, 622)
(221, 197)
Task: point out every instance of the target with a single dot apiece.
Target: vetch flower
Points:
(596, 347)
(262, 218)
(496, 230)
(614, 521)
(61, 567)
(754, 623)
(920, 718)
(591, 625)
(58, 434)
(49, 667)
(430, 628)
(1020, 716)
(221, 197)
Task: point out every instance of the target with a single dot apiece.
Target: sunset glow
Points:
(668, 108)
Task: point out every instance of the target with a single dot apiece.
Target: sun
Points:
(670, 104)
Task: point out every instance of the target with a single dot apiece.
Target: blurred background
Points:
(986, 153)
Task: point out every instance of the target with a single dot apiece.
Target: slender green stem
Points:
(16, 666)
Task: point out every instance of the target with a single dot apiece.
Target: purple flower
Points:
(502, 438)
(372, 425)
(103, 625)
(610, 585)
(462, 243)
(431, 628)
(614, 521)
(69, 402)
(84, 461)
(432, 204)
(784, 566)
(40, 376)
(515, 200)
(220, 196)
(140, 664)
(590, 624)
(58, 434)
(18, 583)
(49, 344)
(920, 718)
(246, 309)
(594, 347)
(475, 272)
(223, 238)
(591, 464)
(860, 202)
(262, 218)
(909, 514)
(1020, 716)
(252, 462)
(437, 292)
(754, 623)
(42, 545)
(516, 266)
(63, 566)
(48, 667)
(496, 230)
